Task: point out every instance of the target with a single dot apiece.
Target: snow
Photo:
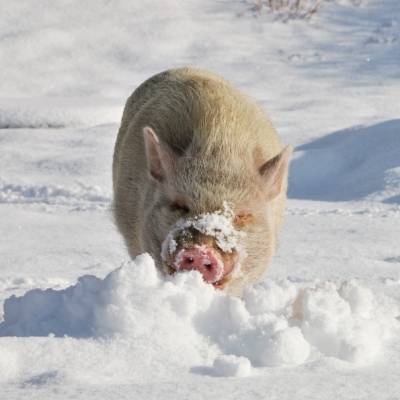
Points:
(346, 158)
(184, 322)
(218, 225)
(80, 320)
(231, 366)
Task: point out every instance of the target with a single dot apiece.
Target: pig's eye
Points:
(179, 207)
(243, 219)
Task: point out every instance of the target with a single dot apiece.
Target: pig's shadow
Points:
(348, 165)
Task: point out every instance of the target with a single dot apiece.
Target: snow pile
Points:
(354, 164)
(183, 322)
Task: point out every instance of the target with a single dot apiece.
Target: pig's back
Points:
(192, 107)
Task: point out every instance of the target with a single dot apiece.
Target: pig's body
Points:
(216, 144)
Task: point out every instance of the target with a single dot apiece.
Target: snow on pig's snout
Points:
(207, 243)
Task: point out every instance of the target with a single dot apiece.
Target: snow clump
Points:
(231, 366)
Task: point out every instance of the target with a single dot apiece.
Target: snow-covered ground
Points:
(323, 324)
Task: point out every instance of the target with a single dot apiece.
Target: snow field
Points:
(133, 316)
(331, 88)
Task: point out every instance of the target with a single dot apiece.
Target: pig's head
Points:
(211, 208)
(208, 243)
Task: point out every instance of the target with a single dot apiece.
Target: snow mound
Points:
(356, 164)
(181, 321)
(55, 113)
(52, 194)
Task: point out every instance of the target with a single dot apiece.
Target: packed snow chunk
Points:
(230, 365)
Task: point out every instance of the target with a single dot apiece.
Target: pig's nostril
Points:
(208, 265)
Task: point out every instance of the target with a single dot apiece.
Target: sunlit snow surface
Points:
(323, 323)
(278, 323)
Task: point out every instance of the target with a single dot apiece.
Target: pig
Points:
(190, 149)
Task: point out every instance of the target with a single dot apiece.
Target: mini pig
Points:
(199, 178)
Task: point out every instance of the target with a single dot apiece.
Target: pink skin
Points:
(214, 266)
(203, 259)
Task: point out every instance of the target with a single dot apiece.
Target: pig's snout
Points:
(204, 260)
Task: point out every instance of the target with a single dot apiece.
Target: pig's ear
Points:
(274, 172)
(159, 156)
